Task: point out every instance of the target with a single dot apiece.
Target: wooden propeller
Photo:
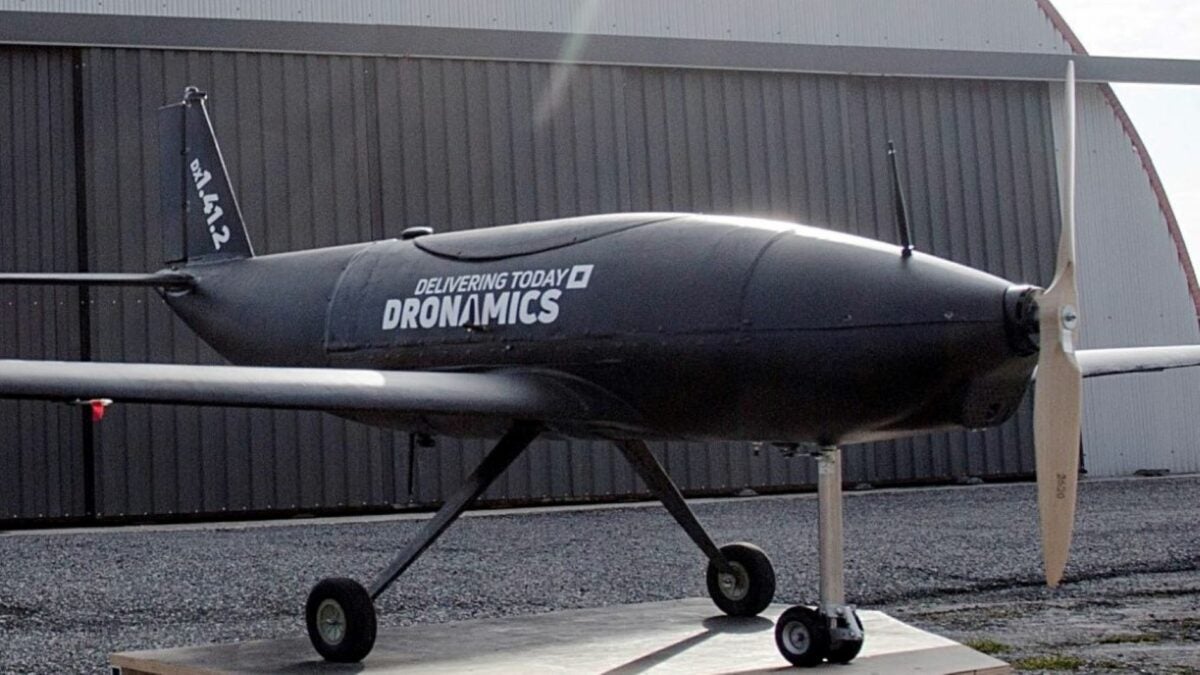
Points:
(1058, 396)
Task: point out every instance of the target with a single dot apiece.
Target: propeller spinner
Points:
(1058, 395)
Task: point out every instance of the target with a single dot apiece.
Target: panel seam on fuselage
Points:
(331, 302)
(485, 259)
(749, 278)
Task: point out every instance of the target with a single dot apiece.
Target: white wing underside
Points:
(1101, 362)
(505, 394)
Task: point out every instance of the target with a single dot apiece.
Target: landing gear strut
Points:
(341, 625)
(832, 631)
(741, 580)
(340, 613)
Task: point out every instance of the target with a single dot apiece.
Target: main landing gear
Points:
(830, 632)
(340, 613)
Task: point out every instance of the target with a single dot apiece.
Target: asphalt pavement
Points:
(961, 561)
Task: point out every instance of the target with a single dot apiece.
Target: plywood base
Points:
(682, 636)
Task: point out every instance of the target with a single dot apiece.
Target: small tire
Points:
(844, 651)
(750, 589)
(802, 636)
(341, 620)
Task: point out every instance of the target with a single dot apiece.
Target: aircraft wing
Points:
(1100, 362)
(531, 395)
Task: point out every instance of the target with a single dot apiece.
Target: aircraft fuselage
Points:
(711, 327)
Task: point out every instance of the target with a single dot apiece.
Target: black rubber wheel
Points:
(341, 620)
(844, 651)
(802, 636)
(750, 588)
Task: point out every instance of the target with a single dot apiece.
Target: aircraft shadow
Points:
(315, 666)
(713, 626)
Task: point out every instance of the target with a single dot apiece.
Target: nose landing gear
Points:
(832, 631)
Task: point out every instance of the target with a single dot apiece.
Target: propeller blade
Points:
(1058, 403)
(1056, 418)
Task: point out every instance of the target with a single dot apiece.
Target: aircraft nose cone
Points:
(1021, 318)
(993, 395)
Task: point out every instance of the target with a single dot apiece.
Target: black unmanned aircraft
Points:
(627, 327)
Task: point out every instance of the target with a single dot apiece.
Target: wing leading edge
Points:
(531, 395)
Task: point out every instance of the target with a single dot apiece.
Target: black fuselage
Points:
(711, 327)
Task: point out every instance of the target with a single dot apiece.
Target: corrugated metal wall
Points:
(327, 150)
(1129, 423)
(1132, 292)
(41, 448)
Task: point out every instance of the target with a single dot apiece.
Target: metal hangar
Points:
(344, 122)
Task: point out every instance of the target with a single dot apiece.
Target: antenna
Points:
(901, 205)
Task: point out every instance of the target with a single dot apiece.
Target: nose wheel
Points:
(847, 638)
(805, 637)
(802, 636)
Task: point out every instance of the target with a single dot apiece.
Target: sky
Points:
(1166, 117)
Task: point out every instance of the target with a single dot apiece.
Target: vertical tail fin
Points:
(201, 217)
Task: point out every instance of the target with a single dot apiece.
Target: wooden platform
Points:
(682, 636)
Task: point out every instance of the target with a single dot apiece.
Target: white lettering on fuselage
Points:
(212, 210)
(520, 297)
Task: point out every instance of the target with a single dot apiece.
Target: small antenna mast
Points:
(900, 203)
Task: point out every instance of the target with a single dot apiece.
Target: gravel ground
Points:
(959, 561)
